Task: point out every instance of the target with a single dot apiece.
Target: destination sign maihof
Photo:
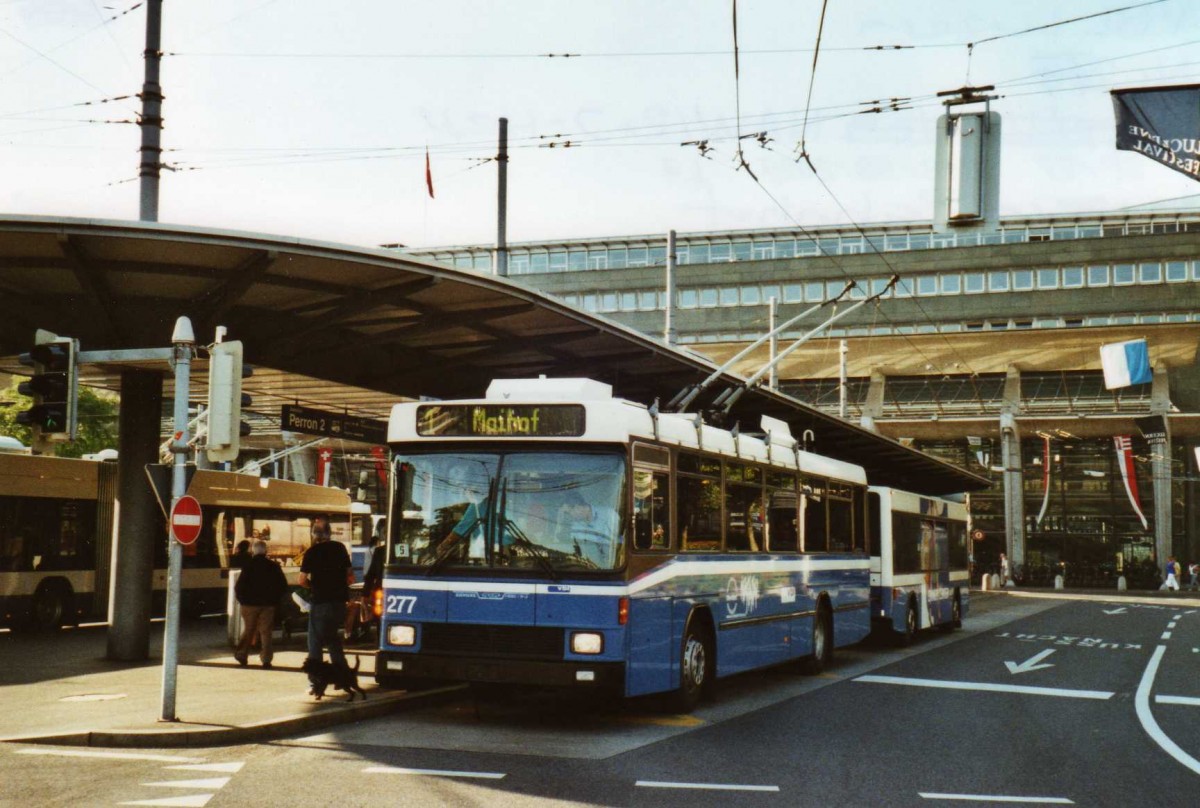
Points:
(295, 418)
(500, 420)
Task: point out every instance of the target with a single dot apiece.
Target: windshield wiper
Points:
(521, 540)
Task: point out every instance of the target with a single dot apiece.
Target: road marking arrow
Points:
(1030, 664)
(1121, 610)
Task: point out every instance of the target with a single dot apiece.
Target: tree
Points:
(97, 420)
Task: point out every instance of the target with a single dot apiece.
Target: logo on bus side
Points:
(741, 596)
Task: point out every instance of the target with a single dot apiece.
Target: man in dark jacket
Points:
(258, 590)
(327, 571)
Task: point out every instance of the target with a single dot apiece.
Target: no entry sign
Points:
(185, 520)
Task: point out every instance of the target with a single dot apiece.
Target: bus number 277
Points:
(401, 604)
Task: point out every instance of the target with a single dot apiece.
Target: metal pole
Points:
(151, 122)
(772, 314)
(183, 341)
(502, 203)
(669, 333)
(844, 349)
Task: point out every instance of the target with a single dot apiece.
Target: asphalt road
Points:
(1034, 702)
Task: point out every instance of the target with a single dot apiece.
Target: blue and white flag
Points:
(1125, 363)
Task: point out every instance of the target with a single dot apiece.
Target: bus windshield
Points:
(532, 510)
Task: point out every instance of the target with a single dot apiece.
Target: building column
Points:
(1014, 474)
(873, 407)
(139, 524)
(1160, 463)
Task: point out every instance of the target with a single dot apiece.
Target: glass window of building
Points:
(719, 253)
(974, 283)
(859, 292)
(1123, 319)
(742, 251)
(1177, 271)
(943, 240)
(927, 285)
(927, 328)
(1196, 270)
(539, 262)
(829, 246)
(657, 256)
(770, 291)
(483, 261)
(834, 288)
(576, 260)
(793, 293)
(1151, 319)
(1097, 276)
(1039, 234)
(1022, 280)
(591, 302)
(1072, 277)
(851, 245)
(629, 301)
(785, 247)
(518, 263)
(903, 288)
(558, 262)
(1060, 233)
(814, 292)
(763, 250)
(998, 281)
(1177, 318)
(751, 295)
(967, 240)
(1090, 231)
(1096, 321)
(951, 283)
(571, 300)
(647, 301)
(950, 328)
(879, 287)
(688, 299)
(1047, 278)
(1123, 274)
(708, 297)
(918, 241)
(992, 238)
(597, 259)
(729, 296)
(699, 254)
(1014, 236)
(638, 257)
(618, 259)
(1049, 322)
(1022, 324)
(1150, 272)
(608, 301)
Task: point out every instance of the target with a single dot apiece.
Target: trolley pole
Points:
(151, 122)
(183, 342)
(502, 202)
(670, 335)
(773, 343)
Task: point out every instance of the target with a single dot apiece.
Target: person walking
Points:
(328, 573)
(1193, 576)
(1172, 582)
(258, 589)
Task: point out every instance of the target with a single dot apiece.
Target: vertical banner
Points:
(1124, 447)
(1162, 123)
(324, 461)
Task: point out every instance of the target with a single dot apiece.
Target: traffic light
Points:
(225, 401)
(53, 388)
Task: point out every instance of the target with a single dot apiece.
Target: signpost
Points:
(185, 520)
(295, 418)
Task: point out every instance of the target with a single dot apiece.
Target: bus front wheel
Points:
(905, 638)
(49, 608)
(695, 669)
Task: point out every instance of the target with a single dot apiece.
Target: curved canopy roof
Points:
(350, 328)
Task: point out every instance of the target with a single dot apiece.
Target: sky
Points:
(312, 119)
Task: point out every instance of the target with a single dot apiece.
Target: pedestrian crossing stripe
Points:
(229, 768)
(207, 782)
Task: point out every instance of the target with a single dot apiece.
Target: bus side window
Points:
(651, 510)
(812, 505)
(841, 517)
(699, 503)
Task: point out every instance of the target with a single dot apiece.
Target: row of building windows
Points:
(714, 249)
(946, 283)
(949, 328)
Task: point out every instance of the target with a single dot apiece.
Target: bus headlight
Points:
(402, 635)
(587, 642)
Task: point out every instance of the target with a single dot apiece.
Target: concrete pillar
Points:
(1014, 485)
(1160, 463)
(139, 524)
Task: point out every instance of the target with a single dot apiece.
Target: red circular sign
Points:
(185, 520)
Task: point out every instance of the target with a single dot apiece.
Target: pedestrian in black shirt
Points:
(258, 590)
(327, 571)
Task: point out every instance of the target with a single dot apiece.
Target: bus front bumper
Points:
(572, 673)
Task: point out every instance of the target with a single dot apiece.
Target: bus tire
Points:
(696, 667)
(956, 615)
(905, 637)
(51, 606)
(822, 642)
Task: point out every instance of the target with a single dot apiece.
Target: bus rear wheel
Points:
(695, 669)
(905, 637)
(822, 643)
(49, 608)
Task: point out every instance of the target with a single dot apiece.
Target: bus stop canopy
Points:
(353, 329)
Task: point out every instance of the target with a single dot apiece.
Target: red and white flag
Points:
(1045, 480)
(1125, 462)
(428, 174)
(324, 461)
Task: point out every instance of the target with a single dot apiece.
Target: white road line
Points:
(1166, 635)
(1147, 717)
(1172, 624)
(1100, 695)
(109, 755)
(996, 798)
(433, 772)
(230, 768)
(190, 801)
(704, 786)
(206, 783)
(1188, 700)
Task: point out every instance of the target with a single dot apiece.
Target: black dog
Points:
(340, 677)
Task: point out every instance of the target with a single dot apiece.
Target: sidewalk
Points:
(59, 688)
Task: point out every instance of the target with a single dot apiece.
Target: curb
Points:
(248, 733)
